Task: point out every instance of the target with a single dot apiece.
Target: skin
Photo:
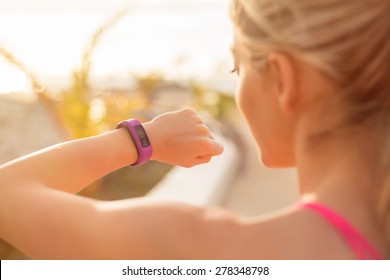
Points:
(283, 104)
(287, 105)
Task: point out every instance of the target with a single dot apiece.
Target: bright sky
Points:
(49, 36)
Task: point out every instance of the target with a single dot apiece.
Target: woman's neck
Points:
(338, 163)
(340, 170)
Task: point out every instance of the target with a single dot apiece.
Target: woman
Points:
(314, 89)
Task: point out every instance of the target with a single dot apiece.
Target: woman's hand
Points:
(181, 138)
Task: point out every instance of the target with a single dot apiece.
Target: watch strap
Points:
(140, 139)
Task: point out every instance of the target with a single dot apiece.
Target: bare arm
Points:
(178, 138)
(42, 220)
(49, 224)
(71, 166)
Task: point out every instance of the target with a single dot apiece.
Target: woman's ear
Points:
(285, 76)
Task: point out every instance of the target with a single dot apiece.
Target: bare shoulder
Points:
(162, 230)
(148, 229)
(291, 233)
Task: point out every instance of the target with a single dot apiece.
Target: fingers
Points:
(211, 148)
(202, 160)
(215, 148)
(205, 151)
(182, 138)
(208, 146)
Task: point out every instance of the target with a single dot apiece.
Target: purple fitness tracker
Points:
(140, 139)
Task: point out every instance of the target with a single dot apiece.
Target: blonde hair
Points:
(349, 40)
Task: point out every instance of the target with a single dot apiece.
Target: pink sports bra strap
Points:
(359, 244)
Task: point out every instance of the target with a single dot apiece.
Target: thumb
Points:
(215, 147)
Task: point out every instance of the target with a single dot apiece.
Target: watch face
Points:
(143, 138)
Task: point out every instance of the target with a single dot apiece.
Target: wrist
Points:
(140, 140)
(151, 132)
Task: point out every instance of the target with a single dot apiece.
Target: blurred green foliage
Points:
(75, 104)
(82, 112)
